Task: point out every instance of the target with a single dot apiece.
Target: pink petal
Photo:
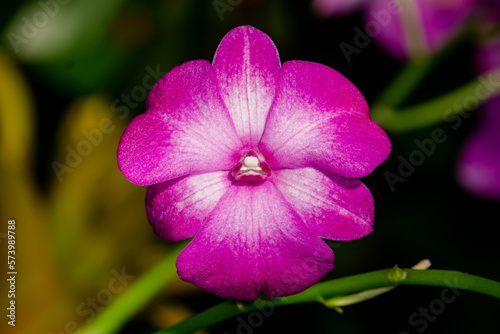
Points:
(247, 66)
(429, 24)
(187, 129)
(254, 243)
(478, 167)
(177, 208)
(328, 8)
(320, 119)
(390, 34)
(332, 207)
(444, 19)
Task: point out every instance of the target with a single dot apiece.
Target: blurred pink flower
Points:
(418, 27)
(336, 7)
(257, 161)
(478, 167)
(406, 28)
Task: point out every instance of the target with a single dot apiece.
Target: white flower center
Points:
(251, 167)
(251, 162)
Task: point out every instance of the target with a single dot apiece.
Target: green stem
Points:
(465, 98)
(413, 74)
(341, 286)
(405, 82)
(136, 296)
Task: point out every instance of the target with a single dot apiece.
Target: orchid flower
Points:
(420, 27)
(406, 28)
(329, 8)
(478, 167)
(257, 161)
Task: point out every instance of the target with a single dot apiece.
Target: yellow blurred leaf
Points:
(16, 114)
(37, 281)
(98, 218)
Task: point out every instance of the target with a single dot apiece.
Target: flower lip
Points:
(252, 166)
